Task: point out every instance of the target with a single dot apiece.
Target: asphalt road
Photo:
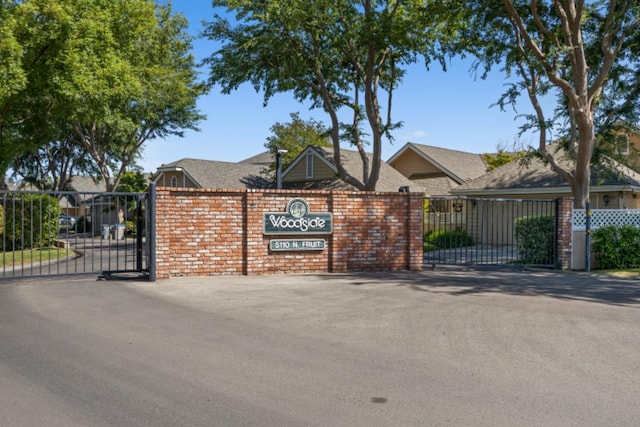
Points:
(448, 347)
(92, 255)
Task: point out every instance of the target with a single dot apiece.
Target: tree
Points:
(294, 137)
(30, 77)
(131, 182)
(144, 87)
(104, 76)
(52, 166)
(344, 56)
(585, 51)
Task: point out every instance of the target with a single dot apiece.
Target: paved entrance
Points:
(72, 233)
(448, 347)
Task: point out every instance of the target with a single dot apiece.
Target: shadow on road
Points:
(460, 281)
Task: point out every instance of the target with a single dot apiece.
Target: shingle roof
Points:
(458, 165)
(87, 184)
(265, 159)
(216, 174)
(538, 177)
(389, 179)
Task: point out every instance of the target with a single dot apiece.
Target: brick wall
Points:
(202, 232)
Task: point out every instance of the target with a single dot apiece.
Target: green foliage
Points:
(130, 228)
(584, 54)
(1, 220)
(447, 239)
(83, 225)
(535, 239)
(500, 158)
(294, 137)
(94, 78)
(346, 57)
(617, 247)
(132, 182)
(31, 221)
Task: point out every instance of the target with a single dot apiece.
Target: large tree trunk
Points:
(582, 177)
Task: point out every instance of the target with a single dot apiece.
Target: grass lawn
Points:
(629, 272)
(29, 256)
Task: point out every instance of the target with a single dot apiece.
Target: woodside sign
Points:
(298, 220)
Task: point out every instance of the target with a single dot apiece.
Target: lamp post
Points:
(279, 153)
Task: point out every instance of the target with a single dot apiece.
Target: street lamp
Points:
(279, 153)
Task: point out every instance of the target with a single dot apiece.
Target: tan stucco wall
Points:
(164, 180)
(578, 245)
(616, 201)
(409, 163)
(321, 171)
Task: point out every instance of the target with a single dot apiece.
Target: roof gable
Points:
(457, 165)
(216, 174)
(389, 180)
(537, 177)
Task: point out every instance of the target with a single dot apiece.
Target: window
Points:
(174, 181)
(309, 165)
(622, 144)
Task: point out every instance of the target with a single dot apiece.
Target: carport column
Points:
(152, 232)
(415, 231)
(565, 229)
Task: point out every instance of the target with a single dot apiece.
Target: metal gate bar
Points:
(461, 230)
(68, 233)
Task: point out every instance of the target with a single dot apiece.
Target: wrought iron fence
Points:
(490, 231)
(62, 233)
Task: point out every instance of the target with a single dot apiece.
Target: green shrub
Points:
(83, 225)
(130, 228)
(447, 239)
(535, 239)
(31, 221)
(617, 247)
(1, 220)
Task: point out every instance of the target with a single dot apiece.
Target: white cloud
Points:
(414, 136)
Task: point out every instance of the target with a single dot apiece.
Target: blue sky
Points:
(450, 110)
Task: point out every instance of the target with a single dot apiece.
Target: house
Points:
(434, 170)
(625, 144)
(613, 185)
(315, 169)
(198, 173)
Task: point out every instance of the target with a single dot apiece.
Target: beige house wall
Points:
(578, 246)
(494, 221)
(615, 200)
(164, 180)
(409, 163)
(321, 171)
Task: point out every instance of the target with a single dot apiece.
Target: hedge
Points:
(30, 221)
(535, 239)
(617, 247)
(446, 239)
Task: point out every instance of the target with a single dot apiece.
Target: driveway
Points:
(443, 347)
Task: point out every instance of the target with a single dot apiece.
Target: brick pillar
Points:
(565, 229)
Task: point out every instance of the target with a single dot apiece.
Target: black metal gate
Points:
(67, 233)
(490, 231)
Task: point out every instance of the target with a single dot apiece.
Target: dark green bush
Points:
(447, 239)
(83, 225)
(617, 247)
(1, 220)
(31, 221)
(130, 228)
(535, 239)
